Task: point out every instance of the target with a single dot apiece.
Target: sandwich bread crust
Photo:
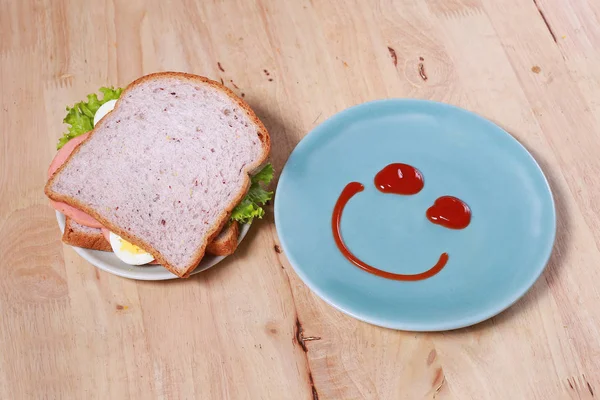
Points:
(92, 238)
(83, 236)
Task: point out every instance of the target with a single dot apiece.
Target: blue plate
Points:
(492, 262)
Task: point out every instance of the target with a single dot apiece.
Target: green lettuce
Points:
(250, 207)
(80, 117)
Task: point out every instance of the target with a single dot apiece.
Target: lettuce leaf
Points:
(80, 117)
(250, 207)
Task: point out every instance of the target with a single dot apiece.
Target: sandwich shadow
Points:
(283, 139)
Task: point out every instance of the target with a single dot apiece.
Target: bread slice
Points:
(166, 167)
(227, 241)
(83, 236)
(79, 235)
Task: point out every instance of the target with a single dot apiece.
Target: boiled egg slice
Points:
(103, 110)
(128, 252)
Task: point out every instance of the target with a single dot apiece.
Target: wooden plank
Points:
(250, 328)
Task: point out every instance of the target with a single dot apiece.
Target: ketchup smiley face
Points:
(403, 179)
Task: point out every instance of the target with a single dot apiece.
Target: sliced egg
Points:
(103, 110)
(128, 252)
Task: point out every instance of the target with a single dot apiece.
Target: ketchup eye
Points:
(450, 212)
(399, 179)
(447, 211)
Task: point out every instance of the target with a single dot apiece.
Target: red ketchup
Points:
(349, 191)
(399, 179)
(404, 179)
(450, 212)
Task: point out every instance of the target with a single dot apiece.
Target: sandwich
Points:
(163, 171)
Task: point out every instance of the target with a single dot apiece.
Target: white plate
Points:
(107, 261)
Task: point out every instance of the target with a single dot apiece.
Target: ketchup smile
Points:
(349, 191)
(447, 211)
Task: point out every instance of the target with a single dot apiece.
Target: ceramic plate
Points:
(492, 262)
(108, 262)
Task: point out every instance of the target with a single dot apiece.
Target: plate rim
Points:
(421, 326)
(136, 274)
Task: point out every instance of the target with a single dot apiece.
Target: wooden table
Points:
(249, 328)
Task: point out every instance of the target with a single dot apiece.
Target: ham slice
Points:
(106, 234)
(75, 214)
(65, 152)
(71, 212)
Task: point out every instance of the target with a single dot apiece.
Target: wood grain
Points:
(249, 328)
